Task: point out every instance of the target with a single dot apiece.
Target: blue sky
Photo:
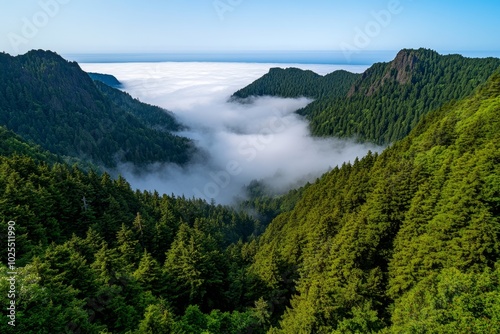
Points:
(113, 26)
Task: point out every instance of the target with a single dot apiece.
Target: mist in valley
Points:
(263, 139)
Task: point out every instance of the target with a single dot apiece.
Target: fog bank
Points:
(263, 140)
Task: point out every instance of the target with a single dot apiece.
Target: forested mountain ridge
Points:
(404, 242)
(294, 82)
(11, 144)
(55, 104)
(407, 241)
(107, 79)
(152, 116)
(388, 99)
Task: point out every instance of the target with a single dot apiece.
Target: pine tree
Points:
(149, 274)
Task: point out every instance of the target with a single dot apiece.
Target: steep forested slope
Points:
(93, 256)
(107, 79)
(407, 241)
(152, 116)
(294, 82)
(11, 144)
(391, 98)
(386, 101)
(53, 103)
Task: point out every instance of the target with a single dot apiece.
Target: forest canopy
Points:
(54, 104)
(405, 241)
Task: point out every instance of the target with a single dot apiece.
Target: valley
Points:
(300, 203)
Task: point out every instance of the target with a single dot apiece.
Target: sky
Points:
(172, 26)
(264, 140)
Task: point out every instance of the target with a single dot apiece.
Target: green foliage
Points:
(265, 205)
(407, 241)
(451, 302)
(149, 274)
(369, 238)
(391, 98)
(196, 266)
(92, 251)
(11, 144)
(106, 79)
(44, 308)
(194, 322)
(294, 82)
(154, 117)
(53, 103)
(157, 319)
(384, 103)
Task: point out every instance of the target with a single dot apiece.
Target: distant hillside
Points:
(53, 103)
(390, 98)
(294, 82)
(11, 144)
(108, 79)
(407, 241)
(152, 116)
(387, 100)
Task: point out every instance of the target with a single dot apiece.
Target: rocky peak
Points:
(402, 66)
(400, 70)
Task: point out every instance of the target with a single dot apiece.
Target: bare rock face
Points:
(404, 64)
(399, 70)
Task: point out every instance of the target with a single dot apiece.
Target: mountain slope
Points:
(294, 82)
(398, 242)
(11, 144)
(384, 103)
(107, 79)
(53, 103)
(152, 116)
(390, 98)
(90, 252)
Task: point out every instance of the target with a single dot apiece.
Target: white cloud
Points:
(264, 140)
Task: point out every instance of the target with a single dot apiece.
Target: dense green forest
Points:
(93, 255)
(294, 82)
(108, 79)
(152, 116)
(56, 105)
(406, 241)
(11, 144)
(386, 101)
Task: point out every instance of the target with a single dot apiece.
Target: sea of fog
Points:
(264, 140)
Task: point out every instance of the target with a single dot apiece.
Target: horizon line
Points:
(327, 57)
